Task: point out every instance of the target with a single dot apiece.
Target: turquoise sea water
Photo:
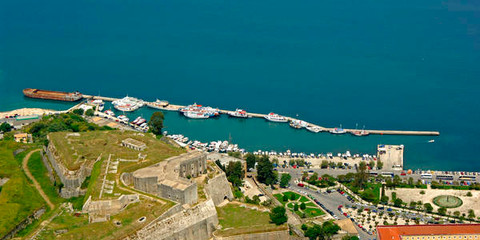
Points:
(402, 65)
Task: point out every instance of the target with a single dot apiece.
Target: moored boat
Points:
(128, 104)
(240, 113)
(158, 104)
(52, 95)
(339, 130)
(196, 115)
(314, 129)
(298, 124)
(275, 117)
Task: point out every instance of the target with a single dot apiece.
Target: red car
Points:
(403, 174)
(301, 185)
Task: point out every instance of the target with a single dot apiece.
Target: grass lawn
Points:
(312, 210)
(239, 220)
(304, 199)
(289, 195)
(79, 228)
(75, 151)
(18, 199)
(40, 173)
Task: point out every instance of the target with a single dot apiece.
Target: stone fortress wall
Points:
(196, 223)
(72, 180)
(101, 210)
(219, 189)
(170, 178)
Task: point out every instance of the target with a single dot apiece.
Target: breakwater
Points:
(173, 107)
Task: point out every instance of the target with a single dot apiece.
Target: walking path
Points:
(35, 183)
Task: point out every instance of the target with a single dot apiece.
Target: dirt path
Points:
(35, 183)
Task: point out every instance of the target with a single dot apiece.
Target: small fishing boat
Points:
(339, 130)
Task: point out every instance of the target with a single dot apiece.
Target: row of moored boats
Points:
(196, 111)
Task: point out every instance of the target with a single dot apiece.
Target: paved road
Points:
(35, 183)
(331, 202)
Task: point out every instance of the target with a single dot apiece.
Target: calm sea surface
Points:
(402, 65)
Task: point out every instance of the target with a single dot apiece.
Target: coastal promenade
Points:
(173, 107)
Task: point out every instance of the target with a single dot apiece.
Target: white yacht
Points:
(314, 129)
(128, 104)
(240, 113)
(196, 115)
(275, 117)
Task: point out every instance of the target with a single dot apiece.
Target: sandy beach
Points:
(27, 112)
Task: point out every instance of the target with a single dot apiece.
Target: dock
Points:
(173, 107)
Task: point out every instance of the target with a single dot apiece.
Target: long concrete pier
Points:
(173, 107)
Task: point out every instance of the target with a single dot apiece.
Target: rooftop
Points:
(394, 232)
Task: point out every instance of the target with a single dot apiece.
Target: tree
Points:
(471, 214)
(292, 197)
(396, 181)
(469, 194)
(303, 206)
(384, 200)
(295, 207)
(456, 213)
(278, 215)
(304, 227)
(379, 164)
(442, 211)
(265, 173)
(89, 112)
(251, 160)
(398, 202)
(5, 127)
(285, 198)
(78, 111)
(235, 173)
(394, 196)
(238, 194)
(410, 181)
(428, 207)
(348, 237)
(156, 123)
(284, 180)
(361, 176)
(324, 164)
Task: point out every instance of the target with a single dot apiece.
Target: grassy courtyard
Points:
(290, 199)
(18, 199)
(236, 220)
(77, 227)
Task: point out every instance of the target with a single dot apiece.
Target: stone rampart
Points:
(219, 189)
(196, 223)
(275, 235)
(72, 180)
(101, 210)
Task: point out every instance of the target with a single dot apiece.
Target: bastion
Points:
(170, 179)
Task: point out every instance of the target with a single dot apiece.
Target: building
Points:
(23, 137)
(429, 232)
(134, 144)
(171, 178)
(391, 156)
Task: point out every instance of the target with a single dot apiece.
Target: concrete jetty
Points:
(173, 107)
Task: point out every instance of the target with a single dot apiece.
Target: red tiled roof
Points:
(393, 232)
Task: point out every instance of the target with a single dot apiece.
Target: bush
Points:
(238, 194)
(78, 111)
(303, 206)
(278, 215)
(469, 194)
(304, 227)
(89, 112)
(422, 192)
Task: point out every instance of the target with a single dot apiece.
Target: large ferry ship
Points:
(52, 95)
